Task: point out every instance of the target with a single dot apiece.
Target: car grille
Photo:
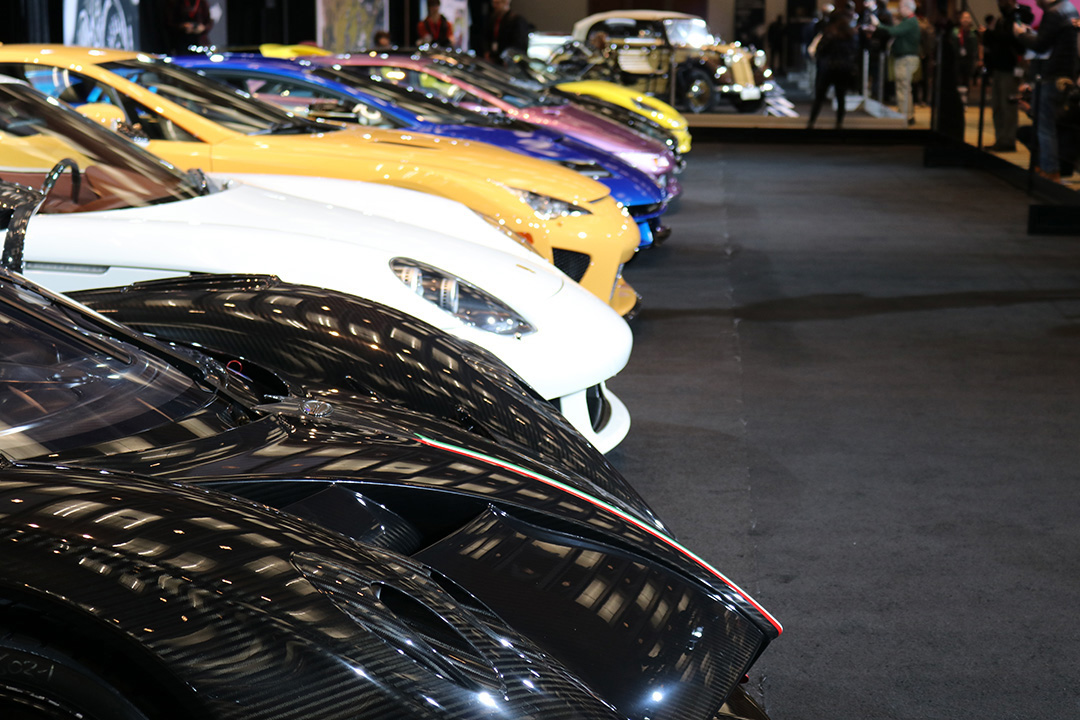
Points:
(638, 211)
(572, 263)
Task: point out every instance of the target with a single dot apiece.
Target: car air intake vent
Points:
(642, 210)
(572, 263)
(599, 407)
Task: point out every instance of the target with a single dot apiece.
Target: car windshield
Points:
(36, 132)
(520, 94)
(214, 101)
(66, 382)
(425, 109)
(689, 32)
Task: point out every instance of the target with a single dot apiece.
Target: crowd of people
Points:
(1022, 67)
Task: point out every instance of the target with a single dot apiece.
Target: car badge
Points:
(316, 408)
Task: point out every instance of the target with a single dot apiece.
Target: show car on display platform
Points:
(642, 112)
(460, 84)
(196, 123)
(456, 577)
(329, 94)
(671, 54)
(114, 214)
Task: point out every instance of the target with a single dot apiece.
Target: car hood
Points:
(660, 111)
(502, 601)
(597, 130)
(413, 152)
(229, 231)
(627, 184)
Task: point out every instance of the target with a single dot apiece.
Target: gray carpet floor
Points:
(855, 389)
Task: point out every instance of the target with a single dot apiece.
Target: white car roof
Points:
(581, 27)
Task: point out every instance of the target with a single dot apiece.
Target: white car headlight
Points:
(466, 302)
(547, 207)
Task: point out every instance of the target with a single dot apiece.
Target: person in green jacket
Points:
(905, 51)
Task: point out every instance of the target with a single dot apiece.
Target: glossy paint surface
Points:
(475, 174)
(649, 156)
(628, 186)
(508, 540)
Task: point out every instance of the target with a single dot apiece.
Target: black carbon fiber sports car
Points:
(328, 552)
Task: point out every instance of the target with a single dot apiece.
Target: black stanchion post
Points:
(982, 104)
(1036, 92)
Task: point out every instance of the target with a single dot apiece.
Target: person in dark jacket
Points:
(435, 29)
(190, 22)
(836, 54)
(1056, 38)
(507, 31)
(1001, 53)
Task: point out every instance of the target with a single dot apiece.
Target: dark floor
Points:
(856, 390)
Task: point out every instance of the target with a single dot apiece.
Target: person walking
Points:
(836, 54)
(1056, 38)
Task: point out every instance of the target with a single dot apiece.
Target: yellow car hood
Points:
(395, 153)
(611, 91)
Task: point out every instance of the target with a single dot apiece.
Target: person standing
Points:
(1000, 58)
(1056, 38)
(965, 42)
(836, 55)
(905, 51)
(190, 22)
(435, 29)
(507, 31)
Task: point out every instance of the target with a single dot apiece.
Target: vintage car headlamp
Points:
(759, 59)
(467, 303)
(547, 207)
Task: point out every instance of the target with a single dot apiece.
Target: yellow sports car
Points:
(629, 98)
(194, 123)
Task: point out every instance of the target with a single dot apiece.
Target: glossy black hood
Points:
(633, 616)
(218, 608)
(338, 346)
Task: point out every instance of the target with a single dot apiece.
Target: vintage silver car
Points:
(675, 57)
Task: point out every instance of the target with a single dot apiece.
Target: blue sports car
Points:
(322, 92)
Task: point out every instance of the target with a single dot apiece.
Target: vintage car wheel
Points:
(39, 681)
(698, 92)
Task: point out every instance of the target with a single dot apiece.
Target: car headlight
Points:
(547, 207)
(649, 162)
(467, 303)
(515, 236)
(759, 59)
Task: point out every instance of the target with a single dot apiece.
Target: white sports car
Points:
(116, 215)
